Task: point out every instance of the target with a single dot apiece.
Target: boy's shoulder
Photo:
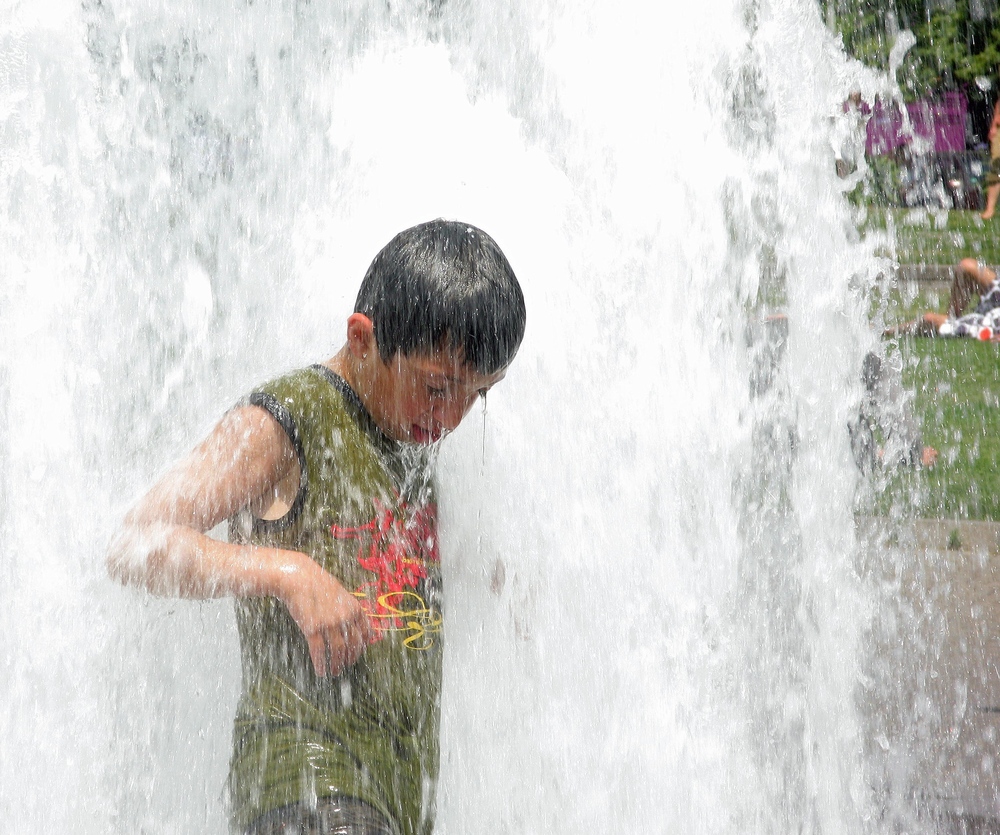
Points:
(316, 406)
(309, 394)
(300, 380)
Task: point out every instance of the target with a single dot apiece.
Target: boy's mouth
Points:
(425, 436)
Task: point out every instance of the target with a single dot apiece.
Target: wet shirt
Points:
(366, 513)
(990, 300)
(985, 315)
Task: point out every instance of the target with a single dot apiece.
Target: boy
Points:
(333, 557)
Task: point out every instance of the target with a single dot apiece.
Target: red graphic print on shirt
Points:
(396, 549)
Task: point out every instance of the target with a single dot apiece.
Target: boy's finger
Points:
(354, 642)
(318, 654)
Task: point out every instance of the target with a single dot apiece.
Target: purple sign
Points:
(940, 120)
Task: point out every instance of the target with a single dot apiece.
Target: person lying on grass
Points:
(971, 278)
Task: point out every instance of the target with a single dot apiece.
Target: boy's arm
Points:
(162, 544)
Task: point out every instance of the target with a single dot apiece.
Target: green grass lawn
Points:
(930, 237)
(957, 387)
(909, 301)
(956, 381)
(938, 237)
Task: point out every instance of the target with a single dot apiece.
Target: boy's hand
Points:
(330, 617)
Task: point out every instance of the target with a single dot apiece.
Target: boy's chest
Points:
(382, 545)
(388, 558)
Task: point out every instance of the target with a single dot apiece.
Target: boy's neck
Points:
(342, 364)
(359, 374)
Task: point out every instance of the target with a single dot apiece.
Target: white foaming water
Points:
(654, 617)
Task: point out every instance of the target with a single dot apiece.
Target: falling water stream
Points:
(658, 613)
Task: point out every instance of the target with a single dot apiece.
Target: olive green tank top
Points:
(365, 511)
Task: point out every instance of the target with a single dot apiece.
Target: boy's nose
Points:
(450, 413)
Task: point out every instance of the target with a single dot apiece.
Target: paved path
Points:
(934, 663)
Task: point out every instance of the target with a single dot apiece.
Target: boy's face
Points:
(417, 398)
(421, 397)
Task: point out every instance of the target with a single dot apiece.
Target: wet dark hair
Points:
(444, 284)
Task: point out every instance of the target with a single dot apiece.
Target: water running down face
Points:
(416, 398)
(420, 398)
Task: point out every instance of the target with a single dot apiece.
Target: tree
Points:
(958, 41)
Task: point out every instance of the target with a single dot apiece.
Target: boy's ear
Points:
(360, 335)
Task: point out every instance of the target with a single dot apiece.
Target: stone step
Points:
(926, 272)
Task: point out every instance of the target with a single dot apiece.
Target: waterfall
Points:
(656, 616)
